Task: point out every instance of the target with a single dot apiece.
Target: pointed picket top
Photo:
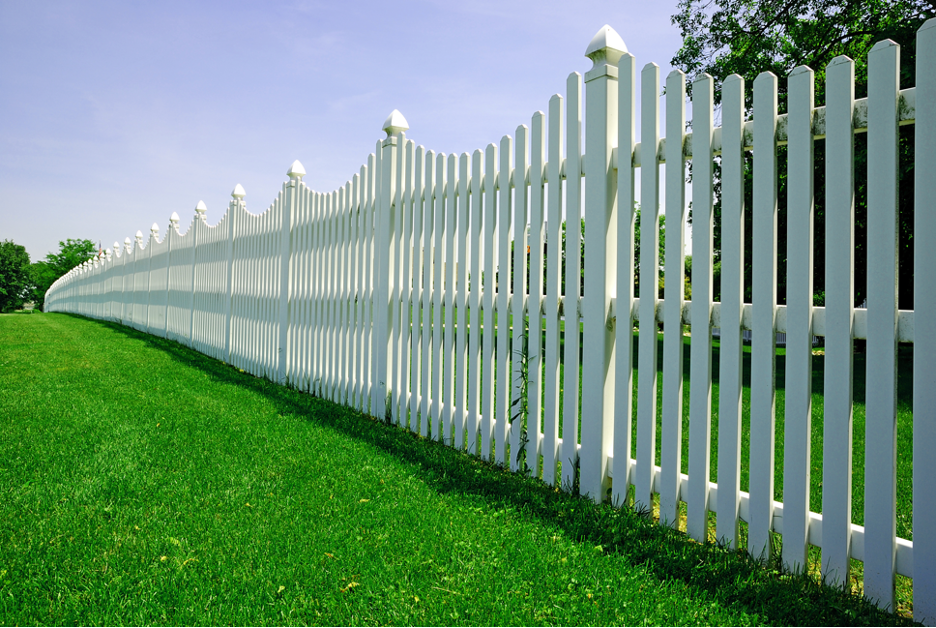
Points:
(154, 229)
(395, 123)
(238, 192)
(296, 171)
(201, 208)
(606, 47)
(128, 242)
(139, 236)
(174, 219)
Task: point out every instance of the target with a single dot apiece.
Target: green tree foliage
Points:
(745, 37)
(15, 277)
(46, 272)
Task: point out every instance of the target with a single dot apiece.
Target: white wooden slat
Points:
(671, 425)
(700, 366)
(370, 218)
(568, 450)
(880, 519)
(924, 354)
(353, 291)
(451, 245)
(418, 361)
(406, 246)
(550, 376)
(478, 247)
(490, 247)
(439, 236)
(798, 394)
(732, 295)
(649, 279)
(764, 338)
(364, 287)
(317, 294)
(401, 256)
(840, 256)
(347, 373)
(427, 411)
(520, 218)
(534, 301)
(505, 235)
(461, 304)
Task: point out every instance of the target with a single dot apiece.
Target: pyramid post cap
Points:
(296, 171)
(238, 192)
(395, 123)
(127, 240)
(139, 235)
(201, 208)
(606, 47)
(174, 218)
(154, 229)
(116, 245)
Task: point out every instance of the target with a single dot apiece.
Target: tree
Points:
(724, 37)
(46, 272)
(14, 275)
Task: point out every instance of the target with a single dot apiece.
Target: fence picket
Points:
(839, 312)
(505, 235)
(797, 418)
(671, 426)
(520, 217)
(649, 278)
(732, 291)
(568, 452)
(535, 298)
(924, 354)
(624, 369)
(474, 288)
(490, 246)
(700, 367)
(461, 304)
(551, 381)
(881, 399)
(764, 337)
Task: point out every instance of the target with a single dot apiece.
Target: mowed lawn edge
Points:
(143, 483)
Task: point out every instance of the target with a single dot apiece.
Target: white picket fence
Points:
(339, 293)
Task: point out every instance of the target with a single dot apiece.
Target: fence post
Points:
(200, 219)
(601, 96)
(237, 203)
(384, 248)
(295, 172)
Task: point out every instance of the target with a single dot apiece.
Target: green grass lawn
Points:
(143, 483)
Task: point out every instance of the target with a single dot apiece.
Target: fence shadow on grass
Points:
(730, 577)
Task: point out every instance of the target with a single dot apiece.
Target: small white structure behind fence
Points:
(394, 295)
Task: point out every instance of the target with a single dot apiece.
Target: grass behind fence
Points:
(143, 483)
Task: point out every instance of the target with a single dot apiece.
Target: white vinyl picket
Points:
(924, 354)
(550, 377)
(764, 338)
(672, 420)
(700, 375)
(649, 278)
(839, 313)
(624, 352)
(732, 291)
(568, 451)
(429, 280)
(881, 398)
(798, 400)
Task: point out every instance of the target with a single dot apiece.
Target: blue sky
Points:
(115, 114)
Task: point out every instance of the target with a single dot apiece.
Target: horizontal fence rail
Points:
(446, 294)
